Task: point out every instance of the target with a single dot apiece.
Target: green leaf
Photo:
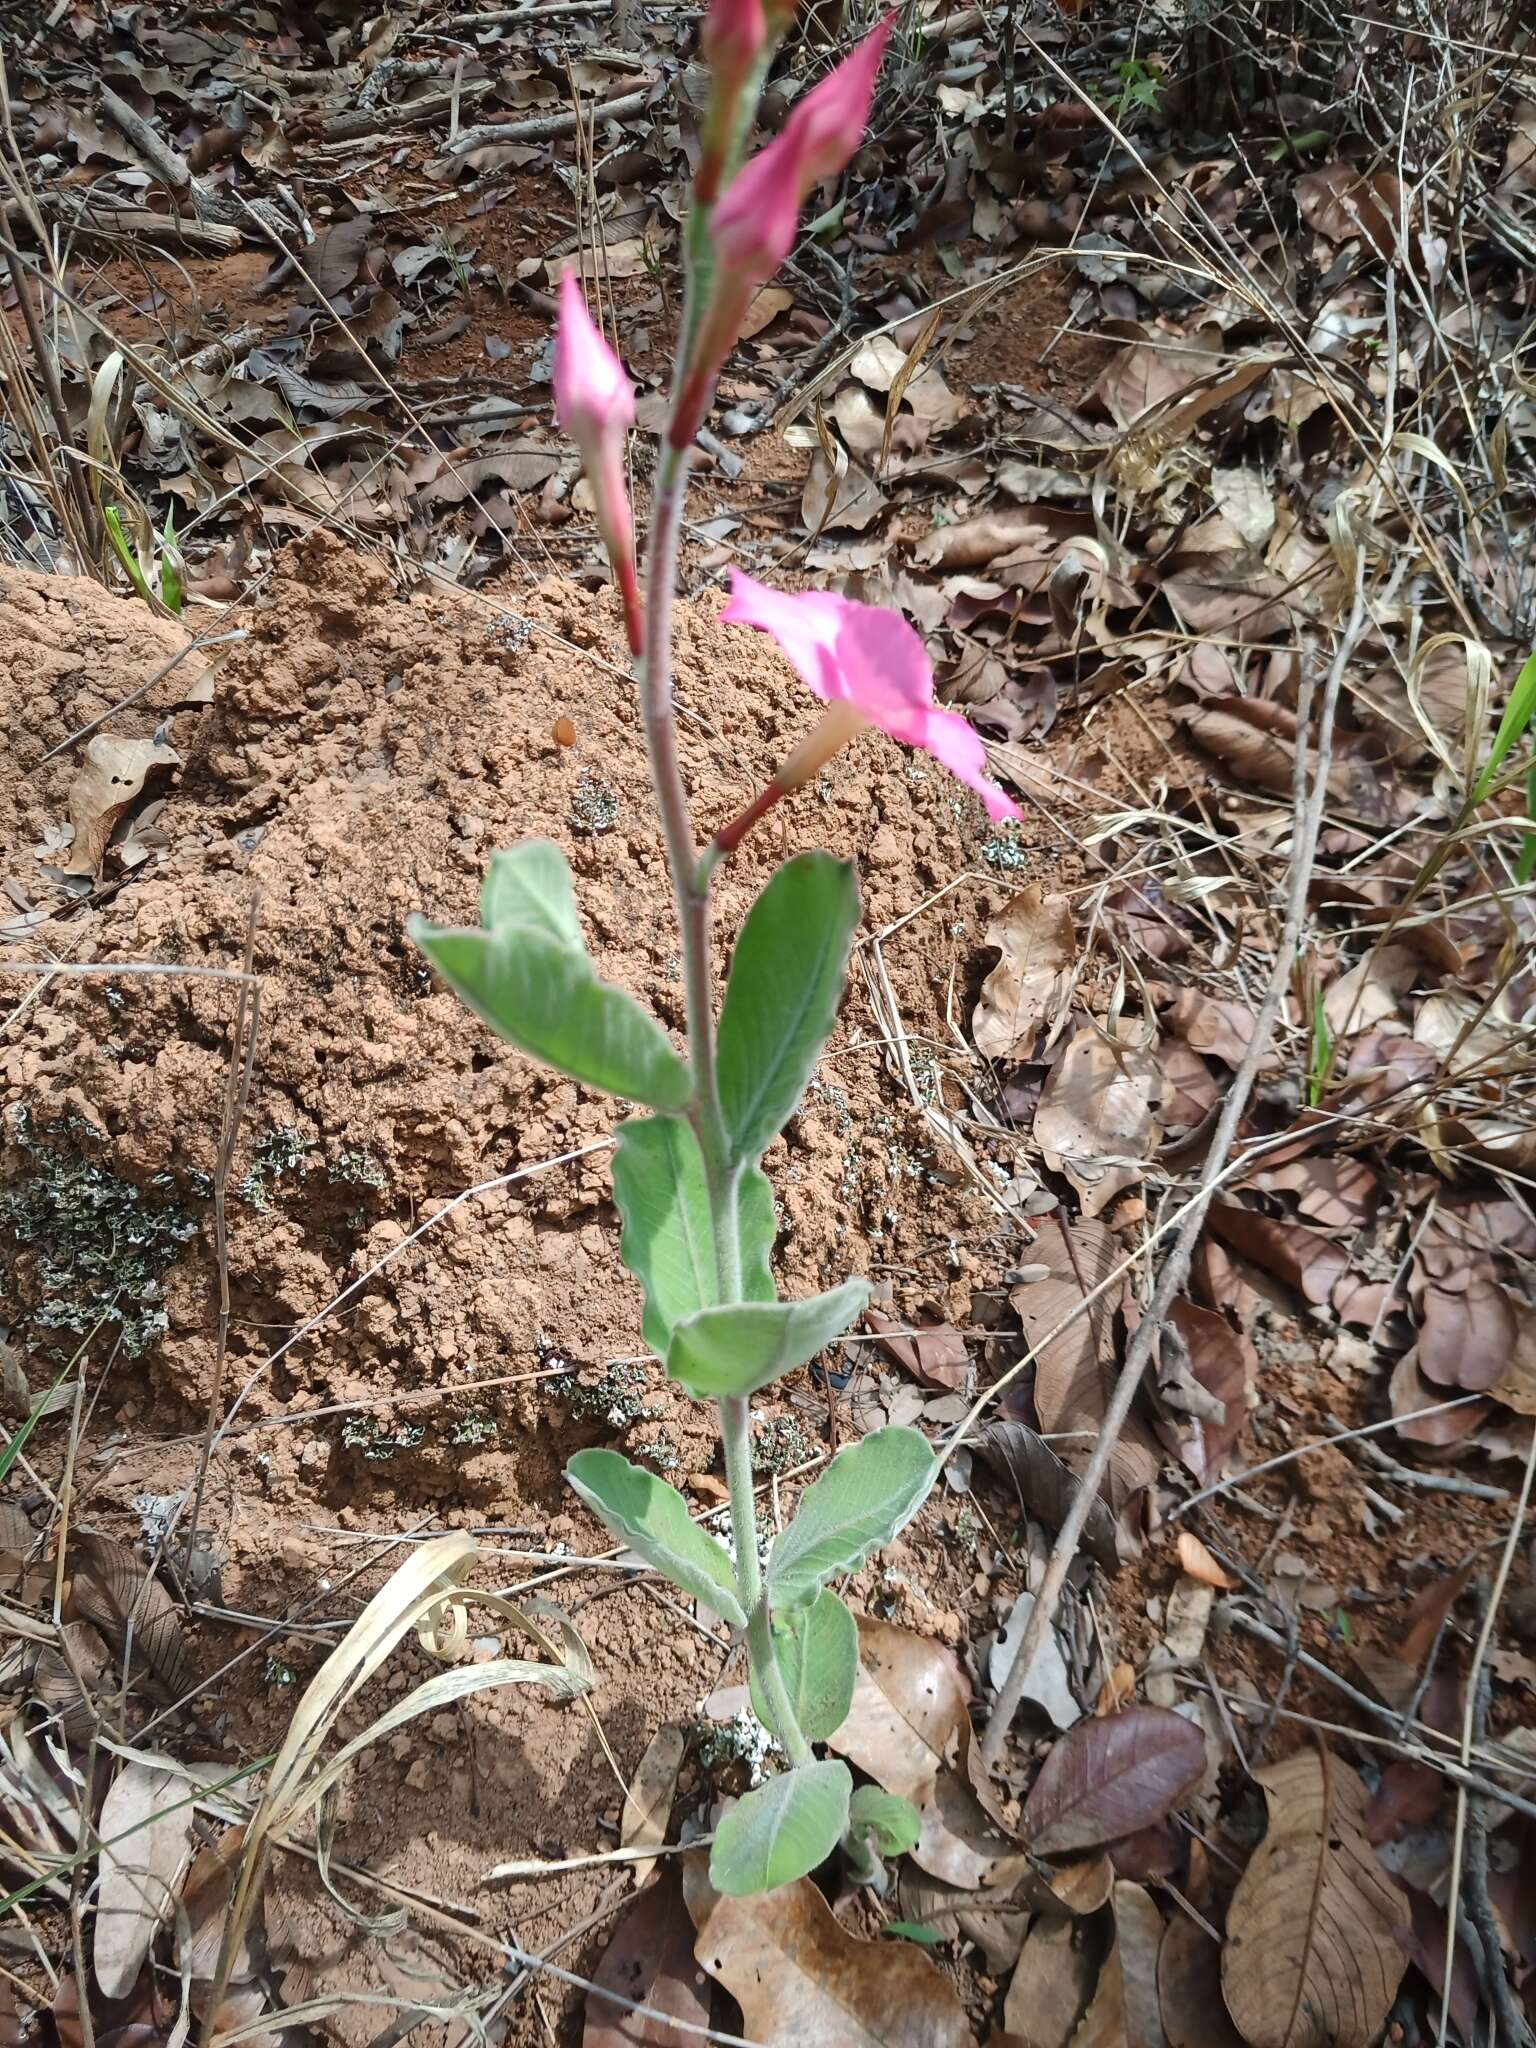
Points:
(817, 1649)
(781, 1830)
(1518, 713)
(894, 1822)
(781, 1000)
(668, 1243)
(865, 1495)
(530, 883)
(1525, 865)
(652, 1518)
(912, 1930)
(720, 1352)
(546, 998)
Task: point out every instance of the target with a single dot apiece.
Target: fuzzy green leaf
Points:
(894, 1822)
(530, 884)
(781, 1831)
(781, 1000)
(866, 1495)
(546, 998)
(817, 1649)
(721, 1352)
(652, 1518)
(668, 1243)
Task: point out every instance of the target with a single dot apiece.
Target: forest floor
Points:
(1199, 445)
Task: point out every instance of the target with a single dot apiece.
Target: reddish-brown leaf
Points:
(650, 1960)
(1107, 1778)
(1304, 1259)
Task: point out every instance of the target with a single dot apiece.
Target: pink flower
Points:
(753, 227)
(734, 36)
(828, 124)
(873, 669)
(595, 403)
(594, 400)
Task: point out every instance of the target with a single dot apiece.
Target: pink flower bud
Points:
(734, 36)
(593, 397)
(753, 227)
(828, 124)
(595, 403)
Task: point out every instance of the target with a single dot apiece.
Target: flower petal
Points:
(869, 658)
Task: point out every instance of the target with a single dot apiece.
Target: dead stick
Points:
(167, 163)
(545, 127)
(1308, 813)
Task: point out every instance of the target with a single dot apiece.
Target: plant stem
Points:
(736, 1434)
(690, 883)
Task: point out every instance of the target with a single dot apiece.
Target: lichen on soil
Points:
(365, 750)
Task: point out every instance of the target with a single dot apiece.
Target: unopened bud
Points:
(595, 403)
(734, 36)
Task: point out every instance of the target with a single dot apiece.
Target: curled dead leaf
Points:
(1032, 981)
(113, 773)
(802, 1982)
(1198, 1562)
(1098, 1116)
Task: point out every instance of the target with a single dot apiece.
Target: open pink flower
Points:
(595, 403)
(873, 669)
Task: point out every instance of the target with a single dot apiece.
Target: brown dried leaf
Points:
(519, 465)
(1097, 1120)
(648, 1807)
(1408, 1392)
(801, 1982)
(651, 1960)
(1198, 1562)
(765, 308)
(1053, 1983)
(1189, 1988)
(1315, 1931)
(1473, 1337)
(1108, 1777)
(111, 777)
(1223, 1366)
(1126, 2012)
(908, 1704)
(112, 1591)
(1046, 1487)
(1253, 755)
(1211, 1024)
(847, 502)
(1032, 982)
(151, 1810)
(1304, 1259)
(936, 1356)
(1340, 204)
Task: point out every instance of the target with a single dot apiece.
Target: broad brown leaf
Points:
(1125, 2012)
(1315, 1930)
(1046, 1487)
(650, 1959)
(802, 1982)
(1097, 1121)
(1302, 1258)
(1053, 1983)
(1031, 983)
(1111, 1776)
(1189, 1988)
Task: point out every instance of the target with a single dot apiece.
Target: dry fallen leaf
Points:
(650, 1960)
(112, 775)
(1189, 1988)
(1097, 1121)
(1195, 1559)
(1341, 203)
(648, 1807)
(908, 1701)
(1126, 2011)
(1305, 1259)
(1032, 982)
(1314, 1950)
(1110, 1776)
(935, 1355)
(1046, 1486)
(1058, 1968)
(151, 1810)
(802, 1982)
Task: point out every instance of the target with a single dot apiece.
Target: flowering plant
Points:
(697, 1210)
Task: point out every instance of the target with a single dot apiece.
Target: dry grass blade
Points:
(427, 1594)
